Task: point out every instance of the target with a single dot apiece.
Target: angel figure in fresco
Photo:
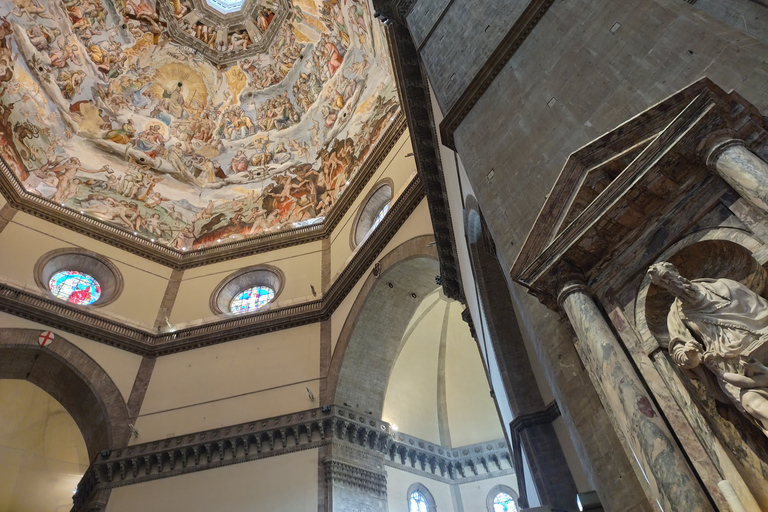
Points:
(716, 328)
(31, 8)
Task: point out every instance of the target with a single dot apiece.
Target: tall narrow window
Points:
(501, 499)
(503, 502)
(420, 499)
(418, 503)
(372, 212)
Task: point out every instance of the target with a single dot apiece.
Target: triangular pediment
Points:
(609, 189)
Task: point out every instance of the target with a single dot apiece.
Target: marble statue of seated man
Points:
(722, 325)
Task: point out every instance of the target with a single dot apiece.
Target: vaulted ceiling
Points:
(184, 125)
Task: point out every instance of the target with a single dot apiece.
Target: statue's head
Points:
(686, 354)
(665, 274)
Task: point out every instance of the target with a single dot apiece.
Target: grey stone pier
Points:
(669, 479)
(743, 170)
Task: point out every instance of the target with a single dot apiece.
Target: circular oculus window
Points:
(251, 299)
(79, 277)
(248, 290)
(75, 287)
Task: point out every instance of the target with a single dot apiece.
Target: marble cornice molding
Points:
(509, 44)
(415, 100)
(21, 200)
(89, 324)
(289, 433)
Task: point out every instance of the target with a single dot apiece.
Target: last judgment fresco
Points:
(252, 124)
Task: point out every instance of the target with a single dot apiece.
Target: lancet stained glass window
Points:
(75, 287)
(503, 502)
(251, 299)
(418, 502)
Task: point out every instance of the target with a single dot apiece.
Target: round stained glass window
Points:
(251, 299)
(75, 287)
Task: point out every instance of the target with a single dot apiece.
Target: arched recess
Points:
(370, 339)
(75, 380)
(549, 469)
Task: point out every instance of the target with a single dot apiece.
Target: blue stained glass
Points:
(503, 502)
(251, 299)
(75, 287)
(380, 216)
(418, 503)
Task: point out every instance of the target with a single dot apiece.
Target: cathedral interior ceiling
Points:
(191, 123)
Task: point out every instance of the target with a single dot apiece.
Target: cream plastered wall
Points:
(2, 201)
(398, 482)
(472, 414)
(475, 494)
(396, 166)
(230, 383)
(411, 399)
(121, 366)
(287, 483)
(26, 238)
(301, 265)
(42, 453)
(418, 223)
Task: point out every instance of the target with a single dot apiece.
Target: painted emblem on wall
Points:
(257, 125)
(45, 338)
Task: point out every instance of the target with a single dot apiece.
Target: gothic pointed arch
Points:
(75, 380)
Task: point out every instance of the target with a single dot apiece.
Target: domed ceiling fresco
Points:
(192, 122)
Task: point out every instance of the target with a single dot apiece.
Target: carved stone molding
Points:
(415, 98)
(89, 324)
(358, 444)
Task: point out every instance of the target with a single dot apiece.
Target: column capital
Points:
(571, 286)
(716, 146)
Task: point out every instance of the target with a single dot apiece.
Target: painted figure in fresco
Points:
(179, 9)
(239, 162)
(150, 141)
(264, 19)
(31, 8)
(123, 135)
(719, 324)
(173, 101)
(65, 170)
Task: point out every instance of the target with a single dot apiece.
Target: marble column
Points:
(743, 170)
(668, 475)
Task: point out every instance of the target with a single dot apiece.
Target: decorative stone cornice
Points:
(287, 434)
(20, 199)
(415, 98)
(450, 465)
(90, 324)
